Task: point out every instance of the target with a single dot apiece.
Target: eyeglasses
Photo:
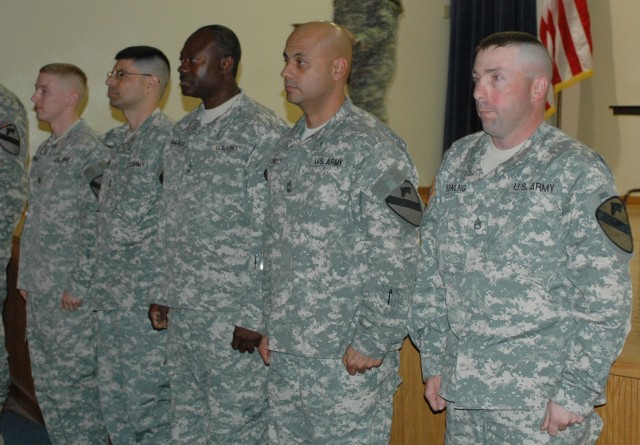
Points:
(122, 73)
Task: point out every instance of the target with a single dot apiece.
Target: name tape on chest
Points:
(327, 161)
(535, 187)
(135, 164)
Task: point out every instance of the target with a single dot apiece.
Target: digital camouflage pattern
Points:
(14, 143)
(14, 147)
(135, 394)
(133, 373)
(130, 201)
(341, 268)
(485, 426)
(536, 295)
(374, 24)
(55, 243)
(214, 198)
(340, 261)
(224, 400)
(304, 411)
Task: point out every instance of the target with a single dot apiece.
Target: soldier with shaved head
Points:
(55, 246)
(341, 241)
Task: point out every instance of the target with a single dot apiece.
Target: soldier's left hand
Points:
(69, 302)
(245, 340)
(557, 418)
(356, 362)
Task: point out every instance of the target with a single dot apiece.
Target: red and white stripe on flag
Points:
(565, 29)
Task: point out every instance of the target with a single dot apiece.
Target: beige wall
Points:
(616, 81)
(89, 33)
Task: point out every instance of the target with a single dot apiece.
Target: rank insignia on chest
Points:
(614, 221)
(96, 185)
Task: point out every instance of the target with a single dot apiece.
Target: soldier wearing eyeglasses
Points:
(134, 382)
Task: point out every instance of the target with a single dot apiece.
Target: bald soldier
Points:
(341, 239)
(57, 236)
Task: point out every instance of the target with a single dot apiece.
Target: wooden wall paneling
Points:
(413, 421)
(620, 414)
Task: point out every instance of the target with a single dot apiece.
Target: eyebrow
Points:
(297, 53)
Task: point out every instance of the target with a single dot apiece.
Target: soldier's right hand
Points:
(432, 393)
(263, 350)
(69, 302)
(159, 316)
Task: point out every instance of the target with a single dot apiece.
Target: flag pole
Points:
(559, 109)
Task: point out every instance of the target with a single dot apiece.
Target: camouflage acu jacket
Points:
(522, 270)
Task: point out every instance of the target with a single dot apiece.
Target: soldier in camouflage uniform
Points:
(342, 219)
(374, 25)
(132, 369)
(523, 296)
(13, 164)
(214, 198)
(55, 244)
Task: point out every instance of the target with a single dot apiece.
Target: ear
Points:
(226, 64)
(539, 87)
(340, 68)
(151, 83)
(73, 99)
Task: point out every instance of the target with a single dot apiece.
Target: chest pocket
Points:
(533, 226)
(459, 227)
(129, 186)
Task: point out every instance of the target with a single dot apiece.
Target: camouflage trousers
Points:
(63, 365)
(219, 394)
(502, 427)
(315, 401)
(134, 381)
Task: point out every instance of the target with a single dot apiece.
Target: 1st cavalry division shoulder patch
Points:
(614, 221)
(405, 201)
(10, 138)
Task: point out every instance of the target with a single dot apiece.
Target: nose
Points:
(478, 91)
(110, 81)
(33, 97)
(285, 71)
(182, 68)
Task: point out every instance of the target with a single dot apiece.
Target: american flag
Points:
(565, 29)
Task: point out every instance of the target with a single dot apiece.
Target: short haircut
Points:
(71, 72)
(151, 60)
(530, 45)
(227, 44)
